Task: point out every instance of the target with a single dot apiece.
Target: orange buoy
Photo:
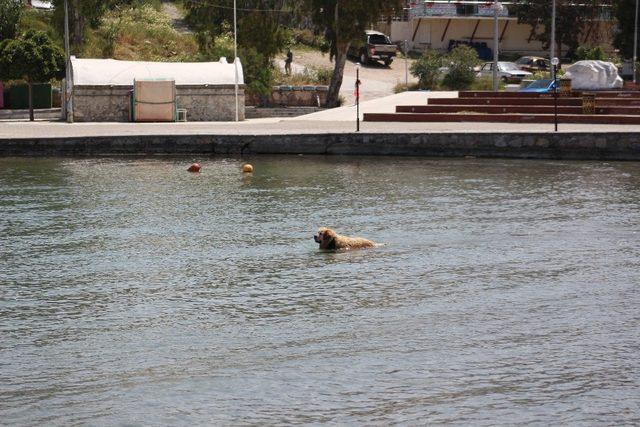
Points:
(247, 168)
(195, 167)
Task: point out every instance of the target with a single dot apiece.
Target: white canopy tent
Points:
(103, 89)
(111, 72)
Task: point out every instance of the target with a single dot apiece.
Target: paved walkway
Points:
(338, 120)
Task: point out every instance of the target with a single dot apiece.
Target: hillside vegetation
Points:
(140, 31)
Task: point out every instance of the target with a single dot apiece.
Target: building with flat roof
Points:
(441, 24)
(103, 88)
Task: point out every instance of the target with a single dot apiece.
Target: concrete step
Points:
(263, 112)
(501, 118)
(520, 109)
(574, 94)
(505, 101)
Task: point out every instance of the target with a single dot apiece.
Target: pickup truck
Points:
(374, 46)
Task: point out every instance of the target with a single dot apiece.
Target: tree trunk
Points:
(31, 118)
(78, 21)
(333, 96)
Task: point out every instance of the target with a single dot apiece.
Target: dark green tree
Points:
(262, 34)
(10, 11)
(460, 62)
(572, 20)
(427, 69)
(624, 11)
(34, 58)
(261, 24)
(344, 21)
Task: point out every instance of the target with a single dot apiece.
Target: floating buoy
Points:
(247, 168)
(195, 167)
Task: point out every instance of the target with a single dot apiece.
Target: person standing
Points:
(287, 62)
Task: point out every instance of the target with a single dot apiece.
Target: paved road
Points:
(377, 80)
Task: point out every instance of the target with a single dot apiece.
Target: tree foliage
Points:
(427, 70)
(342, 22)
(572, 20)
(460, 62)
(10, 11)
(261, 24)
(33, 57)
(624, 11)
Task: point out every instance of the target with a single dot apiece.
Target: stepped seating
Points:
(611, 107)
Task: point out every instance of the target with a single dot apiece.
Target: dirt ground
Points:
(377, 79)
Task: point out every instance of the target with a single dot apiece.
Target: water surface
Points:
(133, 292)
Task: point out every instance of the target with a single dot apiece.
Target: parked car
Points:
(508, 72)
(533, 63)
(374, 46)
(540, 86)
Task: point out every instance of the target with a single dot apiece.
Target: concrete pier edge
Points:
(540, 145)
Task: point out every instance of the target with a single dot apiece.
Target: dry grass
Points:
(140, 33)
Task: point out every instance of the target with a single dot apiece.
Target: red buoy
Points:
(195, 167)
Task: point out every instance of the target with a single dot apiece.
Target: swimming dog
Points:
(330, 240)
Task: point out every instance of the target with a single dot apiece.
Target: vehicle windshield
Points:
(378, 39)
(539, 84)
(508, 66)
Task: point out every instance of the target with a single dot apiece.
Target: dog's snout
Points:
(315, 238)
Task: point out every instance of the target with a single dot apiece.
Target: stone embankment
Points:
(578, 146)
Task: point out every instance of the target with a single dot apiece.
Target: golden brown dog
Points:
(330, 240)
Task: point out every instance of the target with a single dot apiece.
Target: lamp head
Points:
(555, 61)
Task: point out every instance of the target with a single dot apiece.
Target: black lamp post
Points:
(555, 61)
(358, 97)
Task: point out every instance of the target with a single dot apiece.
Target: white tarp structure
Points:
(111, 72)
(593, 75)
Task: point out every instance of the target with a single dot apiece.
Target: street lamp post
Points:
(552, 53)
(554, 62)
(358, 97)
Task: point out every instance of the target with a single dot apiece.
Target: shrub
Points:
(309, 76)
(307, 38)
(486, 83)
(595, 53)
(401, 87)
(460, 61)
(427, 70)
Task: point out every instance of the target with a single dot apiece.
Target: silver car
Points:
(508, 72)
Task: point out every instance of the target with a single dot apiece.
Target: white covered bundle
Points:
(593, 75)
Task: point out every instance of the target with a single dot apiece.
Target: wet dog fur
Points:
(329, 240)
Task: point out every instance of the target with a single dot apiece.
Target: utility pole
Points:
(68, 90)
(635, 44)
(406, 67)
(497, 8)
(235, 54)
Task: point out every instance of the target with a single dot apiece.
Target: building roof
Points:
(111, 72)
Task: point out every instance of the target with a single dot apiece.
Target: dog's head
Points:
(326, 238)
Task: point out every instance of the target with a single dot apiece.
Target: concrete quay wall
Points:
(578, 146)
